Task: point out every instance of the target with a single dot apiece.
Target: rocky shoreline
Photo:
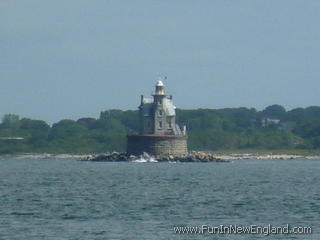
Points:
(194, 156)
(257, 156)
(123, 157)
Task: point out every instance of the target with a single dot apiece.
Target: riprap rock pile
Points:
(124, 157)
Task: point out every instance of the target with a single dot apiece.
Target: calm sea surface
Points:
(69, 199)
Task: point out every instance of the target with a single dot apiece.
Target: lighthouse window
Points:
(170, 126)
(160, 124)
(160, 112)
(160, 101)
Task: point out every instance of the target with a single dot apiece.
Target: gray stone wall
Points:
(147, 124)
(157, 145)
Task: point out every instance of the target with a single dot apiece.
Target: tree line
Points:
(208, 129)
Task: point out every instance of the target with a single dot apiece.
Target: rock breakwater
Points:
(124, 157)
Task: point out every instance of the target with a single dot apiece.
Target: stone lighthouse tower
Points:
(159, 134)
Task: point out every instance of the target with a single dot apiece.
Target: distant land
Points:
(228, 129)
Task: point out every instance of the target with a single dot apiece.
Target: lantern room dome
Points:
(160, 84)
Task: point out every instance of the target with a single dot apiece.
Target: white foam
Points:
(145, 160)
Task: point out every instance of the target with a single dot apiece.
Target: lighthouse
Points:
(157, 114)
(159, 134)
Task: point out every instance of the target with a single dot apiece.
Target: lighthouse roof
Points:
(169, 107)
(147, 106)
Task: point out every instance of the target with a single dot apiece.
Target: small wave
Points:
(22, 213)
(99, 233)
(71, 217)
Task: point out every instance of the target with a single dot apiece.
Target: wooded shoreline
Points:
(228, 129)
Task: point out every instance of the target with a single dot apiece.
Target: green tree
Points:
(274, 111)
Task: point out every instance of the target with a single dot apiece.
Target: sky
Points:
(71, 59)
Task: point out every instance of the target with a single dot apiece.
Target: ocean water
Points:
(69, 199)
